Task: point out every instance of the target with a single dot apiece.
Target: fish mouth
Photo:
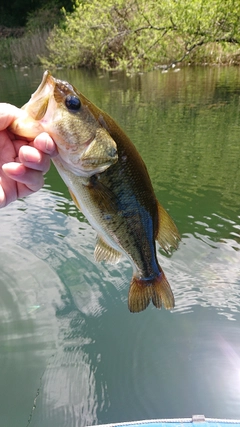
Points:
(49, 88)
(29, 124)
(46, 79)
(37, 105)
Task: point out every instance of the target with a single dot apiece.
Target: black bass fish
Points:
(108, 182)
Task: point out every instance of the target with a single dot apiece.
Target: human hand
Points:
(22, 162)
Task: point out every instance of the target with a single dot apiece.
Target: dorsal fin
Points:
(168, 235)
(104, 252)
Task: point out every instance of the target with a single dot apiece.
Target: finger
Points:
(3, 200)
(23, 190)
(45, 143)
(18, 172)
(34, 159)
(8, 113)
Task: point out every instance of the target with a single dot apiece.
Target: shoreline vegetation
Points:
(130, 35)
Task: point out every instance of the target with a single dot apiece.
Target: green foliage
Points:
(141, 34)
(45, 17)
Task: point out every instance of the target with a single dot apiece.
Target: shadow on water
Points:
(71, 354)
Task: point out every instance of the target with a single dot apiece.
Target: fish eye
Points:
(73, 103)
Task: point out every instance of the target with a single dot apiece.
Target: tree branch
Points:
(201, 43)
(151, 27)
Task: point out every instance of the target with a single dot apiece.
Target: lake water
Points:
(71, 354)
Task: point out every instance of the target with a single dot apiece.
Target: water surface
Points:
(70, 352)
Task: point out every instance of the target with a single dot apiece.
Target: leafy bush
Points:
(46, 17)
(141, 34)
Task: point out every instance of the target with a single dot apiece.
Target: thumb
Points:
(8, 113)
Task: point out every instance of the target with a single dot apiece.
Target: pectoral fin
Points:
(104, 252)
(102, 196)
(74, 199)
(168, 235)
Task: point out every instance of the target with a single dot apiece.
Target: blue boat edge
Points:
(194, 421)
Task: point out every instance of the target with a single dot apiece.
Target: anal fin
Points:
(168, 235)
(104, 252)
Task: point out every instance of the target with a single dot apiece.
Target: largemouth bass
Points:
(108, 182)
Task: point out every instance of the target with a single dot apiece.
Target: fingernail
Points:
(49, 144)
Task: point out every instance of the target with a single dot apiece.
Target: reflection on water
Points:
(208, 275)
(28, 327)
(71, 354)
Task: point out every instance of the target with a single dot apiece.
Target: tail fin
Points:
(142, 291)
